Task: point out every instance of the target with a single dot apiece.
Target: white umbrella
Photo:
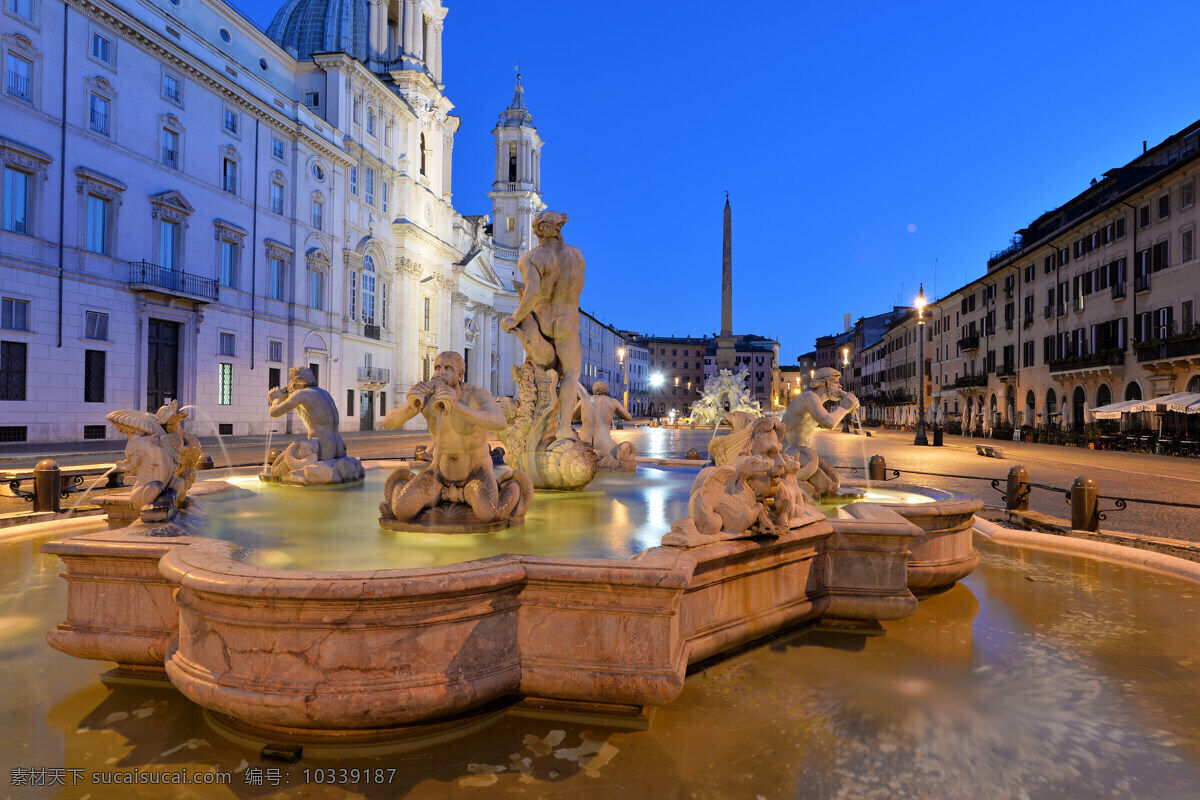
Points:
(1114, 410)
(1179, 401)
(1088, 415)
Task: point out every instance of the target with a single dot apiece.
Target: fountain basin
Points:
(352, 651)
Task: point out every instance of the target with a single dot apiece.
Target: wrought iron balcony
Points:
(374, 375)
(371, 331)
(1181, 348)
(969, 381)
(969, 342)
(1006, 370)
(144, 275)
(1111, 359)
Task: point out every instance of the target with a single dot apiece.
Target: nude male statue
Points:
(596, 425)
(459, 416)
(804, 415)
(316, 410)
(547, 318)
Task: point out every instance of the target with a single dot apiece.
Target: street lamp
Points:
(656, 380)
(921, 439)
(845, 368)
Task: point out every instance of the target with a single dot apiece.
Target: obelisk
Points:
(725, 347)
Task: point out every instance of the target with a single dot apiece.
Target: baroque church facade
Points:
(191, 206)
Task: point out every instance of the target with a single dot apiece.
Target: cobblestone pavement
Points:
(1126, 475)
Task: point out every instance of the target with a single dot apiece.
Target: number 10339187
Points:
(346, 776)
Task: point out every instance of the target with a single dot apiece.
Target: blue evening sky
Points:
(866, 147)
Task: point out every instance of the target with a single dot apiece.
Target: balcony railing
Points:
(969, 343)
(1112, 359)
(371, 331)
(173, 281)
(1006, 370)
(98, 120)
(18, 86)
(374, 375)
(1178, 349)
(1028, 320)
(968, 381)
(1118, 289)
(1006, 252)
(170, 157)
(1141, 283)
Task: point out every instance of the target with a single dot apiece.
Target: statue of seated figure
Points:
(458, 491)
(321, 459)
(597, 413)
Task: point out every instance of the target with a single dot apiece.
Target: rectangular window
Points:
(1119, 228)
(94, 431)
(349, 402)
(168, 240)
(275, 351)
(370, 193)
(19, 77)
(12, 370)
(383, 195)
(229, 252)
(227, 342)
(277, 198)
(170, 88)
(14, 314)
(1185, 246)
(317, 213)
(426, 323)
(93, 376)
(353, 295)
(1187, 316)
(277, 148)
(312, 99)
(278, 286)
(273, 377)
(101, 48)
(16, 201)
(23, 9)
(1187, 194)
(170, 148)
(316, 289)
(231, 121)
(95, 326)
(229, 175)
(1144, 216)
(1164, 206)
(97, 224)
(383, 298)
(98, 114)
(225, 385)
(354, 181)
(1160, 258)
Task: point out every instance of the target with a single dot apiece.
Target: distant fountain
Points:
(321, 458)
(722, 393)
(539, 439)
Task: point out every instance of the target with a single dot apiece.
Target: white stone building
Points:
(192, 205)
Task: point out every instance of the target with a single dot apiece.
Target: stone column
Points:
(445, 341)
(447, 163)
(458, 308)
(408, 324)
(437, 52)
(408, 24)
(483, 345)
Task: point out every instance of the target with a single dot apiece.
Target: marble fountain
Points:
(601, 597)
(322, 652)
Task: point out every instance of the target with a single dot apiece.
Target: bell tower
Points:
(517, 189)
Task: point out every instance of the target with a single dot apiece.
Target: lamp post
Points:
(921, 439)
(845, 367)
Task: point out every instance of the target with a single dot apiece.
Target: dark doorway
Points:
(162, 364)
(366, 411)
(1077, 402)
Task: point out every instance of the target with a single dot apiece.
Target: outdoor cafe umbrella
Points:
(1114, 410)
(1180, 401)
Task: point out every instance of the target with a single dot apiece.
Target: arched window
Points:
(1194, 384)
(1103, 395)
(368, 291)
(371, 121)
(422, 154)
(1133, 392)
(1051, 403)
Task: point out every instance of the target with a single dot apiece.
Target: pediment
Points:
(173, 200)
(478, 267)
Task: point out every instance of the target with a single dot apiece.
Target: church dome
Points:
(321, 26)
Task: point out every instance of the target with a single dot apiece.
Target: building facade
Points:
(235, 203)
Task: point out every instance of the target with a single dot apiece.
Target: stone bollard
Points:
(693, 455)
(877, 469)
(47, 486)
(1085, 505)
(205, 462)
(1018, 489)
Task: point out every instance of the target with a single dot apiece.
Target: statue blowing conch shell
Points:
(751, 490)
